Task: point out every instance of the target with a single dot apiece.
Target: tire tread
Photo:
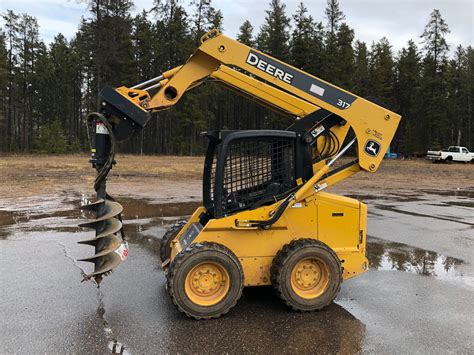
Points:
(182, 256)
(280, 260)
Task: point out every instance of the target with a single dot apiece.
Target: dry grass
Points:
(413, 175)
(23, 175)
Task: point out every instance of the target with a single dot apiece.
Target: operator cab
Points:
(247, 169)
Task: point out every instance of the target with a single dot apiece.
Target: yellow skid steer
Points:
(265, 217)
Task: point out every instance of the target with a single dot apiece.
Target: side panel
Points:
(338, 225)
(313, 218)
(298, 222)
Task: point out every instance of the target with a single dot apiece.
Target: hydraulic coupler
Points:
(109, 241)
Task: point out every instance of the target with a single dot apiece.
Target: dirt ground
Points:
(26, 175)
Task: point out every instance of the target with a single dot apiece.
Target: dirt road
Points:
(415, 298)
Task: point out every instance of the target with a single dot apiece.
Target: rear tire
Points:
(170, 234)
(306, 275)
(205, 280)
(449, 160)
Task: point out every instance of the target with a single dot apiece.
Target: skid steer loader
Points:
(265, 219)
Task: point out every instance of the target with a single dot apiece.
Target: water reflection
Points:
(260, 324)
(384, 255)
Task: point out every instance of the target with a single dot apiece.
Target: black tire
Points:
(449, 160)
(193, 257)
(296, 252)
(165, 247)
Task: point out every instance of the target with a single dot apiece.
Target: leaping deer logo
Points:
(372, 148)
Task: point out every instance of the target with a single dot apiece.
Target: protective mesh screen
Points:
(257, 170)
(213, 176)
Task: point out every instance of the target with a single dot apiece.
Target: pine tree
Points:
(205, 18)
(50, 139)
(245, 35)
(360, 79)
(216, 19)
(247, 109)
(273, 39)
(334, 16)
(434, 83)
(27, 46)
(108, 39)
(381, 72)
(143, 46)
(469, 136)
(10, 20)
(434, 40)
(3, 92)
(458, 96)
(173, 43)
(407, 90)
(344, 59)
(306, 41)
(274, 34)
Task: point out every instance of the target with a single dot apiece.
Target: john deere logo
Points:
(372, 148)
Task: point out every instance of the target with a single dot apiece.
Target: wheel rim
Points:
(310, 278)
(207, 284)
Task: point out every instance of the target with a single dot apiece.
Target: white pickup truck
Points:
(453, 153)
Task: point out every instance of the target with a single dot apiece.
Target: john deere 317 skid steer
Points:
(265, 219)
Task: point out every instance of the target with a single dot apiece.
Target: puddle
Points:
(387, 197)
(456, 219)
(133, 208)
(469, 192)
(385, 255)
(140, 216)
(468, 204)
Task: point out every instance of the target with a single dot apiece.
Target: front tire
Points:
(205, 280)
(306, 275)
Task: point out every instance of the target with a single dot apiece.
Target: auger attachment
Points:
(110, 249)
(109, 241)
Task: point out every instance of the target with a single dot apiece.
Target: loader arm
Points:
(277, 85)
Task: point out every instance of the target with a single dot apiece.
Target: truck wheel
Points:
(449, 160)
(171, 233)
(205, 280)
(306, 274)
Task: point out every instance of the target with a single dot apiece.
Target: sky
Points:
(398, 20)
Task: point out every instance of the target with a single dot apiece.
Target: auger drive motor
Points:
(265, 217)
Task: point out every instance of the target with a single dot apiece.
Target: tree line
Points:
(46, 90)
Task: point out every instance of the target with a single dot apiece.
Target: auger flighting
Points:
(109, 241)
